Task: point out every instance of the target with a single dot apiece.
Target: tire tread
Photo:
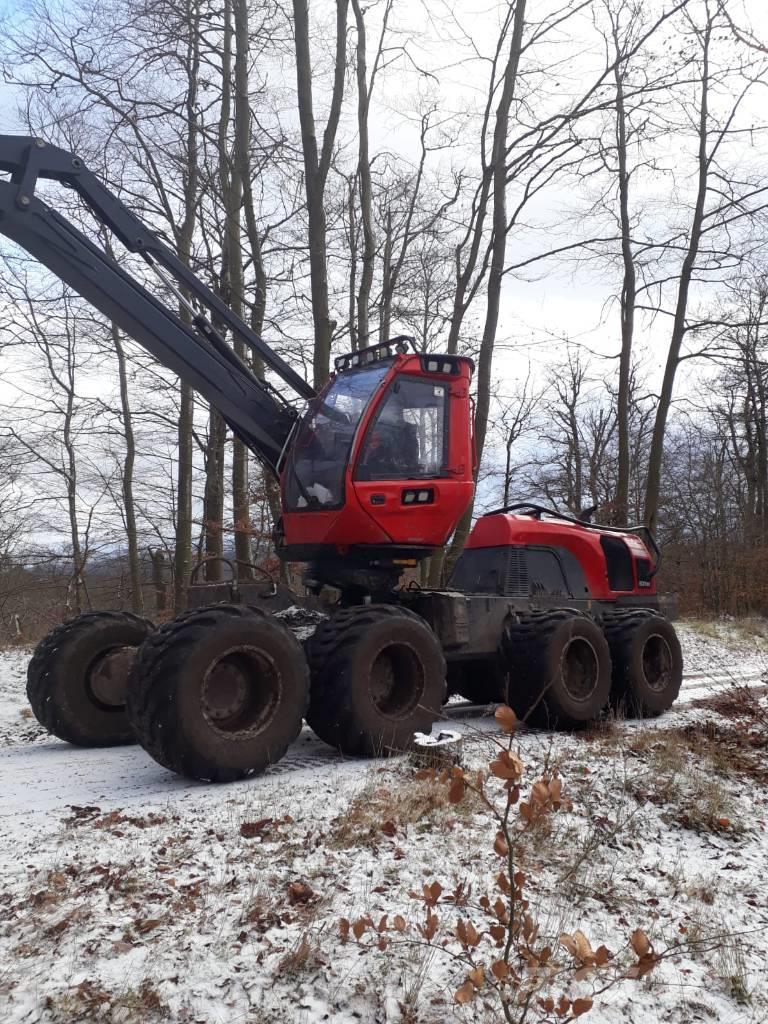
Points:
(331, 711)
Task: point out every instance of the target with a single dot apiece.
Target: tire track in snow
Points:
(50, 777)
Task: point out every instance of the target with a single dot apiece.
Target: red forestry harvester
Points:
(554, 615)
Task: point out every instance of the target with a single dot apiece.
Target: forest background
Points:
(572, 192)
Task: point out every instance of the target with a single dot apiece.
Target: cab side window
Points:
(408, 436)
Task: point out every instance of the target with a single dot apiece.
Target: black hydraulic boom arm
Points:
(194, 350)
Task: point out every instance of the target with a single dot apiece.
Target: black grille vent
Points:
(643, 572)
(516, 583)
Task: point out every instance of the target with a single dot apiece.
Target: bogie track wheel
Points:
(559, 668)
(219, 693)
(77, 677)
(647, 663)
(378, 676)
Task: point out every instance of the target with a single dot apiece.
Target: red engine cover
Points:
(584, 542)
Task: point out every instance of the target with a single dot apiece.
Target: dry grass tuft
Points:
(703, 888)
(90, 1000)
(305, 956)
(688, 772)
(383, 812)
(742, 703)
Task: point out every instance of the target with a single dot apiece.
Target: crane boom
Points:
(194, 350)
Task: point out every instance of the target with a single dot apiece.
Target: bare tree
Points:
(316, 167)
(725, 205)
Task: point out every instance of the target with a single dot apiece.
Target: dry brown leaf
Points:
(500, 845)
(507, 766)
(583, 948)
(456, 790)
(465, 994)
(506, 718)
(300, 892)
(399, 923)
(432, 893)
(581, 1006)
(477, 976)
(429, 929)
(540, 792)
(639, 942)
(500, 969)
(602, 955)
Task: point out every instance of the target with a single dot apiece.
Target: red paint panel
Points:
(505, 529)
(367, 519)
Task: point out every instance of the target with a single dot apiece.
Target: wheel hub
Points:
(241, 690)
(108, 676)
(580, 668)
(396, 681)
(657, 662)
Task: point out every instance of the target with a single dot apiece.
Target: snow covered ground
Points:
(128, 894)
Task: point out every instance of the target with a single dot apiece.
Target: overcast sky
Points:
(554, 300)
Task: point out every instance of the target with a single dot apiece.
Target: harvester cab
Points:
(556, 616)
(381, 467)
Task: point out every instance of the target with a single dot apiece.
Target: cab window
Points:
(320, 455)
(408, 436)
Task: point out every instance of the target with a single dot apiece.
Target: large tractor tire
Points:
(647, 663)
(77, 678)
(378, 676)
(559, 668)
(218, 693)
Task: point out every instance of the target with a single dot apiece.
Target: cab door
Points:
(406, 472)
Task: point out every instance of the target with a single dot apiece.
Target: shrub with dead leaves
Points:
(495, 938)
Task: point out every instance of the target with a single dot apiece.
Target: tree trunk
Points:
(495, 277)
(183, 540)
(240, 169)
(387, 288)
(316, 172)
(183, 544)
(628, 299)
(352, 280)
(159, 585)
(213, 497)
(656, 455)
(364, 180)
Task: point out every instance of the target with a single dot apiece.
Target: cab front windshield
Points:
(324, 442)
